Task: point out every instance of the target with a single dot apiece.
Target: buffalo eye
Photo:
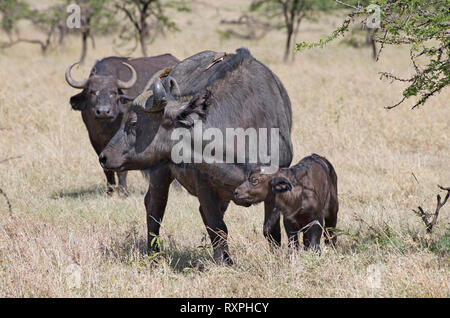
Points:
(254, 181)
(131, 126)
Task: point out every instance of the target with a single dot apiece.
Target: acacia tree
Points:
(291, 12)
(147, 19)
(423, 25)
(353, 39)
(13, 11)
(96, 16)
(255, 28)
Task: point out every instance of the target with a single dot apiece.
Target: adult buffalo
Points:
(220, 91)
(112, 81)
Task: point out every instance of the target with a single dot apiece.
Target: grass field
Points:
(67, 238)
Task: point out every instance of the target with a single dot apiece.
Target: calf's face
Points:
(259, 186)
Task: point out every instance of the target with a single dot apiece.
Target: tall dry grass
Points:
(63, 227)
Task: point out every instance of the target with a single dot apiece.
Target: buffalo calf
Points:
(306, 195)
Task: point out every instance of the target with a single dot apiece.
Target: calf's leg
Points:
(292, 234)
(331, 212)
(311, 237)
(271, 229)
(330, 224)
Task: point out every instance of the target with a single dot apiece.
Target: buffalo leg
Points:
(311, 237)
(272, 230)
(292, 234)
(155, 203)
(330, 224)
(122, 176)
(331, 213)
(110, 181)
(212, 211)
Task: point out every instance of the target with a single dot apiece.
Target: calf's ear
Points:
(78, 101)
(280, 185)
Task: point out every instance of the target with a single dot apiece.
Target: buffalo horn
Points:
(71, 81)
(131, 82)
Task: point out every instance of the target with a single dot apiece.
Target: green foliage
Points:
(146, 19)
(322, 42)
(274, 9)
(441, 245)
(97, 15)
(180, 6)
(156, 241)
(421, 24)
(11, 12)
(47, 20)
(381, 235)
(288, 15)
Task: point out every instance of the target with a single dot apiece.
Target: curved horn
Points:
(71, 81)
(159, 98)
(152, 79)
(141, 99)
(131, 81)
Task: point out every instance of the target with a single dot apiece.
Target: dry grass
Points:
(61, 215)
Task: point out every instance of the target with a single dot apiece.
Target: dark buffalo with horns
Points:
(112, 82)
(220, 91)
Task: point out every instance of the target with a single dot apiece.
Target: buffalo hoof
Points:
(109, 190)
(122, 191)
(313, 248)
(223, 258)
(228, 261)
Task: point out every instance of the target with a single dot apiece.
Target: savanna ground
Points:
(63, 224)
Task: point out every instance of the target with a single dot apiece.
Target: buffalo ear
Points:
(280, 185)
(185, 114)
(78, 101)
(171, 86)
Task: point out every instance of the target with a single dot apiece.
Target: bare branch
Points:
(348, 5)
(425, 218)
(252, 24)
(10, 158)
(7, 201)
(417, 180)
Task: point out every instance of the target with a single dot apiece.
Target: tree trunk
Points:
(288, 44)
(84, 38)
(374, 49)
(61, 35)
(370, 40)
(92, 41)
(143, 31)
(143, 44)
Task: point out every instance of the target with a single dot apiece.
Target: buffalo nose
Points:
(102, 159)
(102, 111)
